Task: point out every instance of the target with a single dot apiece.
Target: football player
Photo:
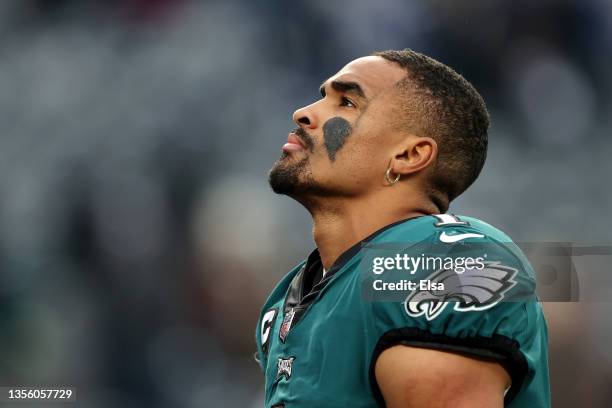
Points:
(395, 137)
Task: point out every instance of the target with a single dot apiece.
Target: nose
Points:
(305, 117)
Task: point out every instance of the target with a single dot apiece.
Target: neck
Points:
(338, 225)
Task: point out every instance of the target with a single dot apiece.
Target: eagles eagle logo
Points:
(474, 289)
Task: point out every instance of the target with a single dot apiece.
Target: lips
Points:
(294, 143)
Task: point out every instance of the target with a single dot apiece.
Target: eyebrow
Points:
(344, 87)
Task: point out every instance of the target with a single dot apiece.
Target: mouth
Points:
(294, 144)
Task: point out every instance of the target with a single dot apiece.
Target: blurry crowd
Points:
(138, 236)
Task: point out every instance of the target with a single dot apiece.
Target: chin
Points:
(294, 179)
(283, 179)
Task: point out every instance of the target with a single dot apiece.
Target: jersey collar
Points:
(296, 298)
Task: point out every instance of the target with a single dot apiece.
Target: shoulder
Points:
(442, 233)
(429, 225)
(446, 258)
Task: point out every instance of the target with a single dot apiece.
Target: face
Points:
(341, 145)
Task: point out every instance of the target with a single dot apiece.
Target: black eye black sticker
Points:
(335, 132)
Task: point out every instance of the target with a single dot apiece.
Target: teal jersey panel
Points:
(318, 345)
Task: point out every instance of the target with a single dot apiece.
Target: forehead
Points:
(375, 74)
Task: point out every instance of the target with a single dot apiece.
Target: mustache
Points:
(304, 137)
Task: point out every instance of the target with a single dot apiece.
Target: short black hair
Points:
(439, 103)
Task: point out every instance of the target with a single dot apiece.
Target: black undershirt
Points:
(312, 277)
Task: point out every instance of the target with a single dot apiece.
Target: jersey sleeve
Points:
(488, 310)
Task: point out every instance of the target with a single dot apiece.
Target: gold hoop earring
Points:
(388, 177)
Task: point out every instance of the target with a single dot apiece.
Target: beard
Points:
(296, 180)
(288, 178)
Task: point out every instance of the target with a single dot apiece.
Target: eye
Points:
(347, 102)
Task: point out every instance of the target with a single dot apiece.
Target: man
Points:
(376, 161)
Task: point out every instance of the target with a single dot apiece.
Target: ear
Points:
(415, 154)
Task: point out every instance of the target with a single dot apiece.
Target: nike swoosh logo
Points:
(449, 239)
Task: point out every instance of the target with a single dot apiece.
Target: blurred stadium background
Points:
(138, 235)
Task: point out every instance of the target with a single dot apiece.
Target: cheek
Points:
(362, 161)
(367, 153)
(359, 164)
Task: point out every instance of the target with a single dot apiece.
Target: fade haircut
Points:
(439, 103)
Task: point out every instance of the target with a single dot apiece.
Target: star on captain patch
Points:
(286, 326)
(284, 368)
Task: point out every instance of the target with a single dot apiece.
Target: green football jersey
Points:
(452, 283)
